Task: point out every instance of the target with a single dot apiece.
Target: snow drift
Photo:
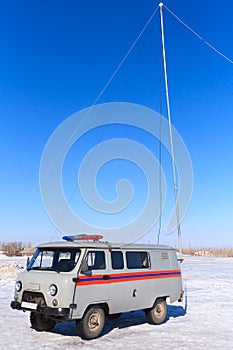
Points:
(202, 321)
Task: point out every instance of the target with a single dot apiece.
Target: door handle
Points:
(106, 277)
(76, 279)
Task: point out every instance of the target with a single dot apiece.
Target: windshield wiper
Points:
(44, 269)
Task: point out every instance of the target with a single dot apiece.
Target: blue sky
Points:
(56, 57)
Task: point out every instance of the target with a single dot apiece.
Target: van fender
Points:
(104, 306)
(163, 297)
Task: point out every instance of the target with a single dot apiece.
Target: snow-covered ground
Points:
(202, 321)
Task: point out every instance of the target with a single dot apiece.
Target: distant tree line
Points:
(220, 252)
(13, 248)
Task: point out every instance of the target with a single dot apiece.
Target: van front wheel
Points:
(158, 313)
(40, 322)
(92, 323)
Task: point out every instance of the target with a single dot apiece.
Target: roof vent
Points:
(164, 255)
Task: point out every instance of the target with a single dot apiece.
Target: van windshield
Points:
(56, 259)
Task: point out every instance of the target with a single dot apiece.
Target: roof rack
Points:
(82, 237)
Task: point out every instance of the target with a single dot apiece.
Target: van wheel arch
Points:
(104, 306)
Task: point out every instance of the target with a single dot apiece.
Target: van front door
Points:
(92, 286)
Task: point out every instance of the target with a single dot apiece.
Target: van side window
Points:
(117, 260)
(96, 260)
(137, 260)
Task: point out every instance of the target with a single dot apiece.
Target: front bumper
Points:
(61, 312)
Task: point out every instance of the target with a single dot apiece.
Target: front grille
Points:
(33, 297)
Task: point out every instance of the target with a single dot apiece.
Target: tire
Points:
(158, 313)
(92, 323)
(40, 322)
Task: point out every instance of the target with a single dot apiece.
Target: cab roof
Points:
(102, 245)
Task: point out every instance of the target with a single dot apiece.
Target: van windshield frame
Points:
(54, 259)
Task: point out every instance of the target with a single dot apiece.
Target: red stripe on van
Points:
(127, 277)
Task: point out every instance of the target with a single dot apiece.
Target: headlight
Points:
(52, 290)
(18, 286)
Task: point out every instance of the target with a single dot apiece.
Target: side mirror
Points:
(84, 267)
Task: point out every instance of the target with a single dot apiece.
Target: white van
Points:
(86, 280)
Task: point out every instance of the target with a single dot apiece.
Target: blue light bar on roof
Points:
(82, 237)
(68, 238)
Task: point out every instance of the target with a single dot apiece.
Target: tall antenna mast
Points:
(171, 135)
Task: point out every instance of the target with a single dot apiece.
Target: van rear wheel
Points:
(92, 323)
(158, 313)
(40, 322)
